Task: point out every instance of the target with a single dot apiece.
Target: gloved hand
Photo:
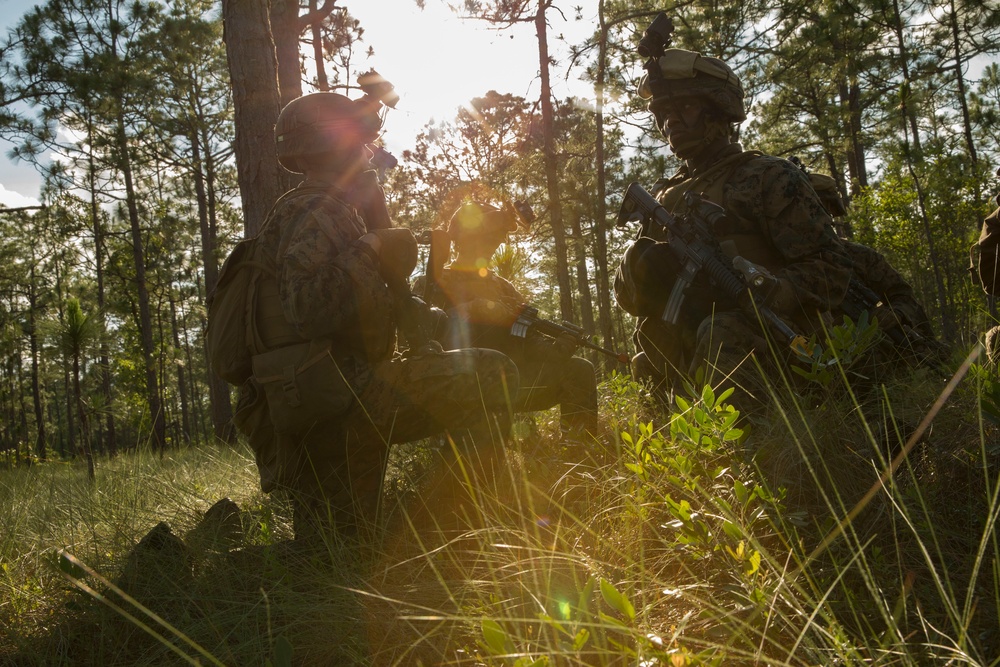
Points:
(772, 292)
(436, 323)
(645, 277)
(564, 346)
(397, 254)
(413, 317)
(889, 318)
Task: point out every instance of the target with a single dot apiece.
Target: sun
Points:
(438, 62)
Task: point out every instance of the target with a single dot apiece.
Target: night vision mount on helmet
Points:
(676, 74)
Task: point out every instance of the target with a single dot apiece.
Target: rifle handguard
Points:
(755, 275)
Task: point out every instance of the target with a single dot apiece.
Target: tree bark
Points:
(104, 360)
(552, 169)
(582, 276)
(36, 392)
(159, 431)
(253, 71)
(218, 389)
(182, 388)
(287, 27)
(601, 212)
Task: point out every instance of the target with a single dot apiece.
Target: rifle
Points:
(698, 251)
(528, 320)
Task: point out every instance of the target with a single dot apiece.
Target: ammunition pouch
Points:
(303, 385)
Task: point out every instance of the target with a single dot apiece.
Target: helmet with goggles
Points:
(328, 126)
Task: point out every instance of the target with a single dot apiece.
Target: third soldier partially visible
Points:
(984, 269)
(877, 287)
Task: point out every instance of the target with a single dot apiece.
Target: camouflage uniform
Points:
(986, 272)
(872, 269)
(482, 309)
(914, 340)
(774, 219)
(907, 331)
(329, 288)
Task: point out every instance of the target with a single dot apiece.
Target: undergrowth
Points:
(683, 534)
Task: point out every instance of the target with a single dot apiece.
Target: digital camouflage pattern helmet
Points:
(323, 125)
(687, 74)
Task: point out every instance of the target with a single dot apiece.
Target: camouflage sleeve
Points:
(328, 282)
(817, 268)
(875, 271)
(989, 249)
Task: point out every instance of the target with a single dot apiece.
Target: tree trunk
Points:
(582, 276)
(199, 408)
(70, 412)
(284, 19)
(909, 113)
(317, 36)
(159, 429)
(78, 399)
(962, 94)
(286, 29)
(253, 72)
(36, 392)
(849, 99)
(601, 212)
(182, 388)
(552, 169)
(109, 417)
(218, 389)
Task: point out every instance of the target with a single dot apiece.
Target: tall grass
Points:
(686, 535)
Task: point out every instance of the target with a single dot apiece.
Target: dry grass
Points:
(574, 557)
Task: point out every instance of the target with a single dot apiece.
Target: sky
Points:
(436, 60)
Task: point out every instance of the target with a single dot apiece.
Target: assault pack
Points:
(231, 332)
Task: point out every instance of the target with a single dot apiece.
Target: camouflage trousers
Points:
(569, 382)
(334, 468)
(724, 346)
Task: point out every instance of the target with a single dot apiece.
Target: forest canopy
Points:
(157, 120)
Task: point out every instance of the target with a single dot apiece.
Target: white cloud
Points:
(12, 199)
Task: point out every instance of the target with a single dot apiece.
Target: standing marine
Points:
(773, 218)
(328, 394)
